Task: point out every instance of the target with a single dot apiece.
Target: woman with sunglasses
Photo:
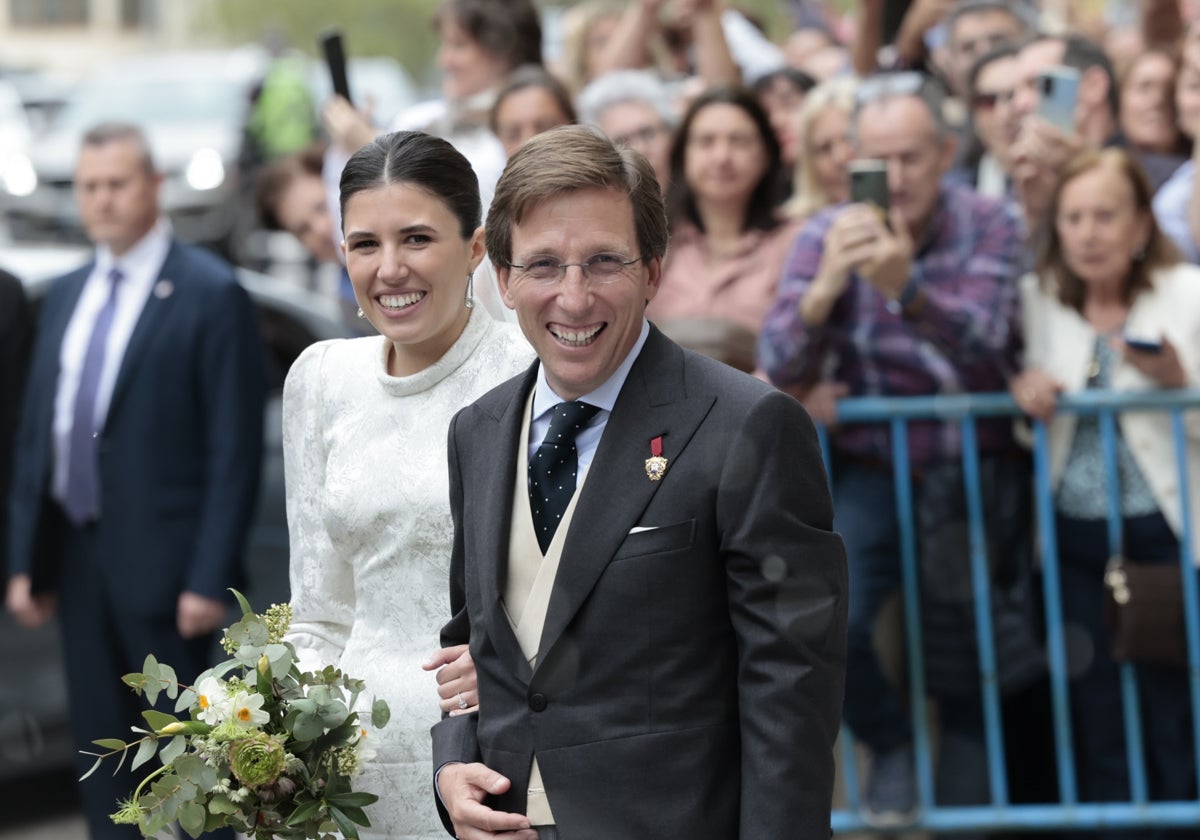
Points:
(993, 123)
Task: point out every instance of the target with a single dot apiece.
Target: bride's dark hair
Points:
(427, 162)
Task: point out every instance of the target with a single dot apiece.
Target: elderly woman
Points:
(636, 109)
(728, 242)
(1107, 277)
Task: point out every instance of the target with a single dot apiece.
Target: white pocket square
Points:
(637, 529)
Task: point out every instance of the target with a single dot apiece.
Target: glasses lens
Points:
(605, 266)
(542, 270)
(986, 101)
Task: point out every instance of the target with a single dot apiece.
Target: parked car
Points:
(34, 728)
(193, 107)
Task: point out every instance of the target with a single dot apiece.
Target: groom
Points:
(643, 563)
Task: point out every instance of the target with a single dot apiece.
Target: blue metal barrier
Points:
(999, 812)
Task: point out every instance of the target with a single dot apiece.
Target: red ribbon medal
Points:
(656, 464)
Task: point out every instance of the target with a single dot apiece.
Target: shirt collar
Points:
(145, 257)
(604, 397)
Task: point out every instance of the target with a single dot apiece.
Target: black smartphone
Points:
(335, 57)
(869, 183)
(1144, 346)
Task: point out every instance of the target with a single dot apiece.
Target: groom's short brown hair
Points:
(570, 159)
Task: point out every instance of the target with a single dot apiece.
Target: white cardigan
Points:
(1059, 341)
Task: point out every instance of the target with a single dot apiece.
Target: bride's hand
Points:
(457, 689)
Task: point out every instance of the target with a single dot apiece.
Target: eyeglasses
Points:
(902, 83)
(987, 100)
(598, 268)
(640, 135)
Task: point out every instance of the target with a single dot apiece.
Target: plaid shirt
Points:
(966, 338)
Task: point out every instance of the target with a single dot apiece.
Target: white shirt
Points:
(604, 398)
(139, 267)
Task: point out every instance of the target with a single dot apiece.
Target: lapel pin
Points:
(163, 289)
(656, 464)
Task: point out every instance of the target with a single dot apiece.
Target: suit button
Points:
(537, 702)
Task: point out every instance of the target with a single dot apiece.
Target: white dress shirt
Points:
(604, 398)
(139, 267)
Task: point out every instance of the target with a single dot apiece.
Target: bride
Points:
(364, 433)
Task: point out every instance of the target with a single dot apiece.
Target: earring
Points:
(360, 313)
(470, 299)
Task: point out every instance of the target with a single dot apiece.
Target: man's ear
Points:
(503, 275)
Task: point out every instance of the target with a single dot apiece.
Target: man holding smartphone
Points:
(921, 301)
(1042, 147)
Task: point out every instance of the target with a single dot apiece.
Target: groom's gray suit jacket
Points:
(689, 677)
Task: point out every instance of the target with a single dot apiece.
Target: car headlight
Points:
(205, 171)
(20, 179)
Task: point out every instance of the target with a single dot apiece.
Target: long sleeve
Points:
(322, 583)
(787, 587)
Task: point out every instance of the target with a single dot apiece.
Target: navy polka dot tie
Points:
(552, 468)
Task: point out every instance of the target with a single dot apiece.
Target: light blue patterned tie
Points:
(83, 460)
(552, 468)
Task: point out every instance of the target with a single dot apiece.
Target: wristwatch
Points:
(907, 295)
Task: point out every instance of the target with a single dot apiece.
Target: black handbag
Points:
(1143, 608)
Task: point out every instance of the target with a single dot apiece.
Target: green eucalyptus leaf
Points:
(304, 706)
(222, 804)
(94, 767)
(145, 752)
(348, 829)
(381, 713)
(307, 727)
(242, 602)
(110, 743)
(173, 749)
(191, 818)
(166, 674)
(157, 720)
(187, 699)
(135, 681)
(334, 714)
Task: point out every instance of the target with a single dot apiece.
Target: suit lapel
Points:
(653, 402)
(497, 449)
(162, 299)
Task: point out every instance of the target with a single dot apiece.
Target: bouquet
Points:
(265, 748)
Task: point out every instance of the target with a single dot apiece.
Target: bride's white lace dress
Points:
(370, 532)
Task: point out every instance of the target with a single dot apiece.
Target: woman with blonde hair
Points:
(821, 177)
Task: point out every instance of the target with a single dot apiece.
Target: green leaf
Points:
(135, 681)
(110, 743)
(187, 698)
(357, 815)
(381, 713)
(191, 818)
(145, 752)
(157, 720)
(173, 750)
(348, 829)
(95, 766)
(308, 727)
(353, 800)
(242, 602)
(304, 812)
(167, 674)
(222, 804)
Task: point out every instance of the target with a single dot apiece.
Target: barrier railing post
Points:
(902, 476)
(1056, 647)
(1130, 707)
(1187, 566)
(981, 589)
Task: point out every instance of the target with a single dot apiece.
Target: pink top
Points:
(739, 287)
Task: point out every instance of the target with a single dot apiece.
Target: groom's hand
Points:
(463, 787)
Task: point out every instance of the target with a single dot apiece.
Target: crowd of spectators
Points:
(1015, 253)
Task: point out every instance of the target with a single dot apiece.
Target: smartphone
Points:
(1143, 345)
(1058, 88)
(335, 57)
(869, 183)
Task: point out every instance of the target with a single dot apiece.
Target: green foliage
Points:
(267, 750)
(399, 29)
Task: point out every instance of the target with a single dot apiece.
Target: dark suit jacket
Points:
(689, 678)
(16, 334)
(181, 447)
